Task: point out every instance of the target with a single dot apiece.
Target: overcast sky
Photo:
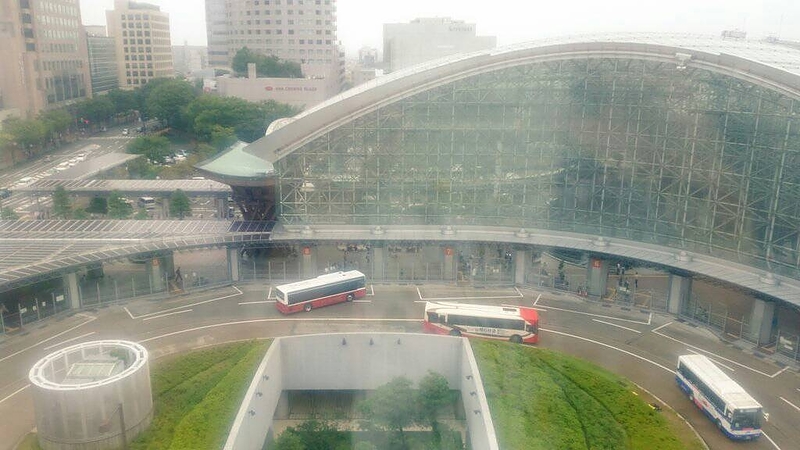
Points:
(360, 21)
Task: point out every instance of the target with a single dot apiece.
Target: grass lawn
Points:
(546, 400)
(196, 396)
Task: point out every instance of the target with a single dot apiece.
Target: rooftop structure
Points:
(93, 383)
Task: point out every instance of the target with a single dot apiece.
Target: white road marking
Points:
(790, 404)
(260, 302)
(362, 301)
(70, 340)
(372, 291)
(611, 347)
(467, 298)
(269, 294)
(518, 292)
(244, 322)
(128, 311)
(50, 338)
(537, 299)
(770, 440)
(618, 326)
(191, 304)
(16, 392)
(715, 355)
(165, 315)
(596, 315)
(714, 360)
(662, 326)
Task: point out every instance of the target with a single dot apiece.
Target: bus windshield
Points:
(749, 418)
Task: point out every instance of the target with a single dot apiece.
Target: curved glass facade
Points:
(628, 148)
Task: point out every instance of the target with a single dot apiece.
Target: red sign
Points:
(306, 250)
(269, 88)
(448, 251)
(596, 263)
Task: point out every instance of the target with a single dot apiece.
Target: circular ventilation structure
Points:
(92, 395)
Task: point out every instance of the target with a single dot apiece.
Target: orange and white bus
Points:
(513, 323)
(323, 290)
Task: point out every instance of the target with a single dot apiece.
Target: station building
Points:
(676, 153)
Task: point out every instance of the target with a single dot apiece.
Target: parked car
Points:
(125, 131)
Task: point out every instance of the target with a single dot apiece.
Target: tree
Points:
(266, 66)
(154, 148)
(141, 214)
(97, 205)
(392, 407)
(62, 207)
(434, 394)
(123, 101)
(8, 214)
(168, 99)
(209, 116)
(288, 441)
(118, 208)
(179, 205)
(29, 134)
(56, 121)
(94, 110)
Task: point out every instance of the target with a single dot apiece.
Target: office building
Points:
(144, 50)
(102, 60)
(408, 44)
(45, 63)
(189, 59)
(303, 31)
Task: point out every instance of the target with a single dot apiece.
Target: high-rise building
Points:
(188, 59)
(141, 34)
(367, 56)
(217, 33)
(303, 31)
(43, 54)
(102, 59)
(425, 39)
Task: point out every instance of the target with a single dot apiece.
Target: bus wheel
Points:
(307, 308)
(455, 332)
(350, 297)
(517, 339)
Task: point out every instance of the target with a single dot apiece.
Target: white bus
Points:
(513, 323)
(321, 291)
(734, 411)
(147, 203)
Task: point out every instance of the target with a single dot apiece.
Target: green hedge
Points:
(208, 424)
(541, 399)
(183, 383)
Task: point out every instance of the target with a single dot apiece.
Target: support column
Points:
(761, 321)
(156, 268)
(308, 261)
(233, 264)
(378, 262)
(521, 258)
(679, 291)
(71, 288)
(165, 207)
(596, 277)
(222, 207)
(449, 265)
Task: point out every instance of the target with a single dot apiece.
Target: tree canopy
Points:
(266, 66)
(179, 205)
(167, 100)
(29, 134)
(155, 148)
(213, 118)
(118, 208)
(62, 207)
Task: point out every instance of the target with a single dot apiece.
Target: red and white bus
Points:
(323, 290)
(512, 323)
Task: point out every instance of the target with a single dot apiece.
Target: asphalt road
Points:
(634, 344)
(45, 167)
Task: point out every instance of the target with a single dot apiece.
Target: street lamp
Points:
(105, 427)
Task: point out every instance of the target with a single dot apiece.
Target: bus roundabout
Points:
(634, 344)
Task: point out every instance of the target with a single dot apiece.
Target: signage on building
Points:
(306, 250)
(289, 88)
